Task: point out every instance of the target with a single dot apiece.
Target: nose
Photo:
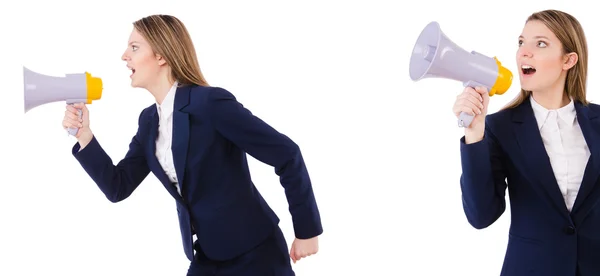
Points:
(125, 56)
(525, 52)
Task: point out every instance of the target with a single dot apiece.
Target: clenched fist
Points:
(71, 120)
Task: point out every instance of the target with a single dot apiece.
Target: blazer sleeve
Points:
(116, 182)
(237, 124)
(483, 180)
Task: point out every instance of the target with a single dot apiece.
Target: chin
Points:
(526, 85)
(134, 84)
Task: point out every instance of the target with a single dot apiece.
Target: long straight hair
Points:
(569, 32)
(169, 38)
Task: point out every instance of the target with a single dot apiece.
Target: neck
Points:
(160, 89)
(552, 98)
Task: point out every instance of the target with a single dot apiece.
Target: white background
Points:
(382, 151)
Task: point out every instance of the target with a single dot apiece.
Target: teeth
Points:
(526, 67)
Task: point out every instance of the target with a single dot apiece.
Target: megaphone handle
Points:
(73, 130)
(465, 119)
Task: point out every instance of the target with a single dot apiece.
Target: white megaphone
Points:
(436, 56)
(72, 88)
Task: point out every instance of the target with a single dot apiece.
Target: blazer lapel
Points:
(589, 127)
(535, 156)
(151, 155)
(181, 132)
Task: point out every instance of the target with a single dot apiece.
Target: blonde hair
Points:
(170, 39)
(570, 34)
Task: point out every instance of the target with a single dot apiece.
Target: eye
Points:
(520, 42)
(134, 47)
(542, 44)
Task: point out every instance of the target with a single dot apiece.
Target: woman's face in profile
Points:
(540, 57)
(141, 60)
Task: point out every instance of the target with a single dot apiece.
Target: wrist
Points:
(473, 135)
(85, 138)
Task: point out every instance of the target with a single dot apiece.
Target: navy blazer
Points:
(544, 238)
(212, 132)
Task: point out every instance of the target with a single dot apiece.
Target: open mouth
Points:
(132, 70)
(528, 69)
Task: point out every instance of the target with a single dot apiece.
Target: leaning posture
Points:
(194, 139)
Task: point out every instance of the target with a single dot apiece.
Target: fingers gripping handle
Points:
(73, 130)
(465, 119)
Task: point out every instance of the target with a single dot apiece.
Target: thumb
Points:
(84, 108)
(486, 100)
(293, 253)
(84, 113)
(79, 105)
(485, 94)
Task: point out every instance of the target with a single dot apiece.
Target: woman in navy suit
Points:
(545, 147)
(194, 140)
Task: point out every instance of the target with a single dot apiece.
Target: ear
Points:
(161, 61)
(570, 60)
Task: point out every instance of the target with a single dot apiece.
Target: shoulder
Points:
(144, 119)
(146, 114)
(210, 99)
(593, 107)
(500, 118)
(589, 110)
(148, 111)
(501, 123)
(209, 93)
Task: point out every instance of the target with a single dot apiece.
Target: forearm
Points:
(482, 188)
(116, 182)
(303, 207)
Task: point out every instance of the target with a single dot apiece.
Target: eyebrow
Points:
(537, 37)
(133, 42)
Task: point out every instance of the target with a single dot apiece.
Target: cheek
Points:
(145, 64)
(550, 65)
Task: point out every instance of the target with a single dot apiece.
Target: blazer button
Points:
(570, 230)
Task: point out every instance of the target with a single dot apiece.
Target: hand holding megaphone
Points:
(436, 56)
(473, 102)
(79, 114)
(76, 120)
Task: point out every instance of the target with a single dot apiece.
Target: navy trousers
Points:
(270, 258)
